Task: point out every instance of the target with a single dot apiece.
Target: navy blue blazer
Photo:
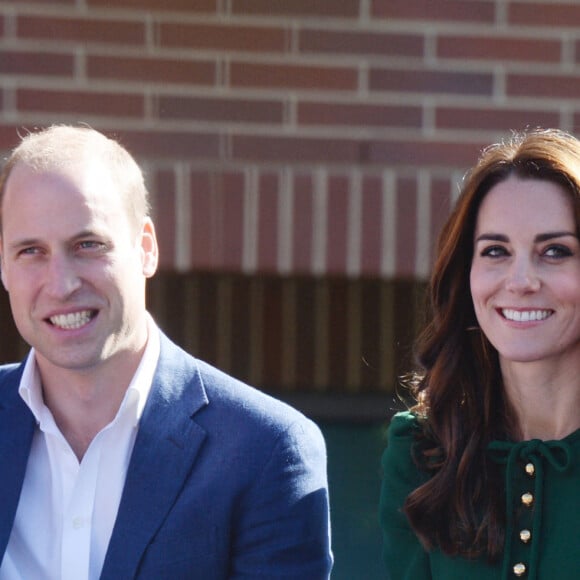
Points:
(224, 481)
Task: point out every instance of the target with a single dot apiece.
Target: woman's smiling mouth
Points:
(525, 315)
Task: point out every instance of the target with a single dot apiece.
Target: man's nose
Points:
(61, 276)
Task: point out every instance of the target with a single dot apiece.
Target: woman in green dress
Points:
(482, 474)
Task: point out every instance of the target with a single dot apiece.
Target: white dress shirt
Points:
(67, 509)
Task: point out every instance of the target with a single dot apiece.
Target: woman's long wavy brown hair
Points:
(458, 391)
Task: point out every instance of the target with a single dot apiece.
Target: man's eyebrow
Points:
(86, 234)
(23, 243)
(16, 244)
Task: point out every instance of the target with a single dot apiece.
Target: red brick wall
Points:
(295, 136)
(299, 137)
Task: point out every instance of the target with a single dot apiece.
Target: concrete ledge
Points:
(360, 408)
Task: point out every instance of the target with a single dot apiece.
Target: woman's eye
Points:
(494, 251)
(557, 251)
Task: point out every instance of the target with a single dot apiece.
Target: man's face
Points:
(75, 265)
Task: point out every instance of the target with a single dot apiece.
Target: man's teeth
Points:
(72, 320)
(525, 315)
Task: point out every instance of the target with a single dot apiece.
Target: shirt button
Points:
(519, 569)
(525, 536)
(527, 499)
(78, 523)
(530, 469)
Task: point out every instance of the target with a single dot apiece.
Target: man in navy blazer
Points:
(123, 456)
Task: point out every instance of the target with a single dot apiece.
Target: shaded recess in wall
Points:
(300, 338)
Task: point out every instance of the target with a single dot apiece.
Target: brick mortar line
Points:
(228, 131)
(354, 98)
(346, 61)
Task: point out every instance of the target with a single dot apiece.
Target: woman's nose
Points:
(522, 277)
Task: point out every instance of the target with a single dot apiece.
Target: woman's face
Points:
(525, 271)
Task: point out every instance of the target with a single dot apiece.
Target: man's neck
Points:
(83, 403)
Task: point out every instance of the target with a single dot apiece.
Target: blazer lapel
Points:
(167, 444)
(16, 431)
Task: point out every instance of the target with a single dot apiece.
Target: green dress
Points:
(542, 492)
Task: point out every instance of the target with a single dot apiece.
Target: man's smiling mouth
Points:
(72, 320)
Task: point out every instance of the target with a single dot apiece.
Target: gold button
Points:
(519, 569)
(525, 536)
(527, 499)
(530, 469)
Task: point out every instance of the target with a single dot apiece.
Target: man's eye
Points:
(90, 245)
(29, 251)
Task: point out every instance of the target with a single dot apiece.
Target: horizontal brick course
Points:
(44, 2)
(435, 10)
(162, 145)
(46, 63)
(431, 81)
(336, 114)
(295, 149)
(361, 43)
(85, 102)
(461, 118)
(243, 74)
(543, 85)
(152, 70)
(544, 15)
(156, 5)
(221, 37)
(344, 8)
(434, 154)
(220, 109)
(84, 30)
(499, 48)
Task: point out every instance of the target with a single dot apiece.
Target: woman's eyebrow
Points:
(551, 235)
(539, 238)
(492, 238)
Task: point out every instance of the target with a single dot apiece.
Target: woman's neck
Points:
(544, 397)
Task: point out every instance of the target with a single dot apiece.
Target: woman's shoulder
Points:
(398, 457)
(403, 426)
(400, 473)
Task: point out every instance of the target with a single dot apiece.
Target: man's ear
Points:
(149, 248)
(2, 275)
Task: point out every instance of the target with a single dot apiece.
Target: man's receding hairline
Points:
(44, 151)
